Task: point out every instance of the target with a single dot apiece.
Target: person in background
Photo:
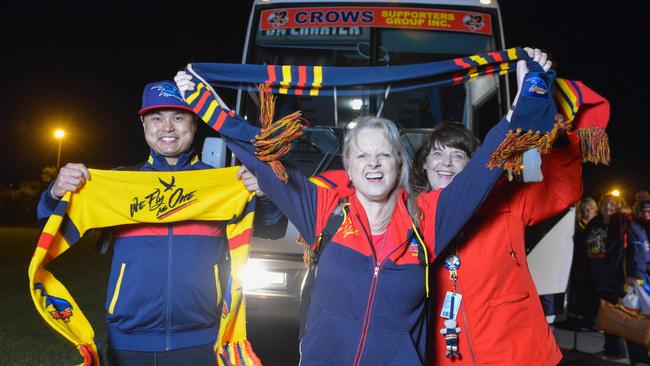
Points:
(605, 248)
(637, 260)
(586, 210)
(641, 195)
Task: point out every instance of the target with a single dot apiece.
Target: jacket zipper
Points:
(469, 338)
(170, 278)
(371, 297)
(168, 304)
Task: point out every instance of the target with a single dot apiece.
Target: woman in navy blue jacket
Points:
(368, 300)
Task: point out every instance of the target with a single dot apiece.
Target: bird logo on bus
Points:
(474, 22)
(278, 18)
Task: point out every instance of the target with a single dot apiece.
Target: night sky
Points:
(82, 68)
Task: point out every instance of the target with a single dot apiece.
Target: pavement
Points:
(278, 346)
(589, 343)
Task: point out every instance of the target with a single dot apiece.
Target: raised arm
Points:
(269, 222)
(298, 199)
(560, 188)
(532, 104)
(469, 188)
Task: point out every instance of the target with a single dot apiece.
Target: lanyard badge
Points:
(452, 299)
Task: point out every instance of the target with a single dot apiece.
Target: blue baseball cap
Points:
(162, 94)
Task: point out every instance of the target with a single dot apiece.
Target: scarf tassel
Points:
(238, 354)
(594, 145)
(308, 252)
(509, 154)
(274, 140)
(89, 354)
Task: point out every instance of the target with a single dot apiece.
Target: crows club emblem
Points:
(168, 186)
(474, 22)
(347, 228)
(59, 308)
(278, 18)
(167, 90)
(414, 247)
(536, 86)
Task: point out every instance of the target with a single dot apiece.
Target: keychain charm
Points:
(451, 338)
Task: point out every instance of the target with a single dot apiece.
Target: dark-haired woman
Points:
(496, 306)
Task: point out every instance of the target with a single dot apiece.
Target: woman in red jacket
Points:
(484, 292)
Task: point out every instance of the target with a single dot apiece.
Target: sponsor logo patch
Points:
(59, 308)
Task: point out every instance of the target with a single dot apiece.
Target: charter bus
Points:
(362, 33)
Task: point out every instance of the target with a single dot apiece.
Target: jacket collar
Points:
(159, 162)
(399, 227)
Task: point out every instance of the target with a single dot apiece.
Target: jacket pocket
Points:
(217, 283)
(135, 296)
(196, 297)
(331, 340)
(507, 332)
(116, 292)
(510, 298)
(390, 347)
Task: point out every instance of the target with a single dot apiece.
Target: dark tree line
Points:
(18, 201)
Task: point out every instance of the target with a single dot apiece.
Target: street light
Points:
(59, 134)
(616, 193)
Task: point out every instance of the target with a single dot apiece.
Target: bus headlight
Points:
(255, 276)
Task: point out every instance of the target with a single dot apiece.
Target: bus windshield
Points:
(378, 36)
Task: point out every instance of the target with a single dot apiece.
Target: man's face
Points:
(169, 132)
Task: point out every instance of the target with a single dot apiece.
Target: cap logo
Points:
(167, 90)
(535, 86)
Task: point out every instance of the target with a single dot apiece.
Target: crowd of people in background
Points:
(611, 255)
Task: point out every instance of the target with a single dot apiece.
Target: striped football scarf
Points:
(108, 200)
(272, 139)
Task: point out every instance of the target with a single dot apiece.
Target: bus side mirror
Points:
(214, 152)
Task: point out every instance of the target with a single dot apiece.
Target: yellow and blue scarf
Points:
(112, 198)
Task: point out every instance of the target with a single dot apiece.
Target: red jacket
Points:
(501, 318)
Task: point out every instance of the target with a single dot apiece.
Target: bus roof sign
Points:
(379, 17)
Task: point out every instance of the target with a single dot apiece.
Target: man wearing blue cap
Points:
(163, 292)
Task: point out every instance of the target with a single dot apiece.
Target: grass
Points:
(25, 339)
